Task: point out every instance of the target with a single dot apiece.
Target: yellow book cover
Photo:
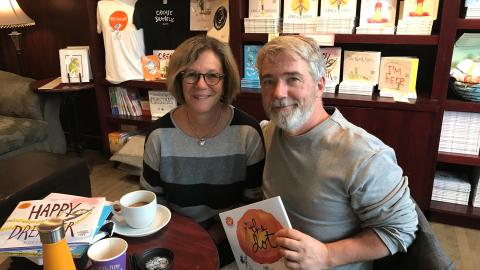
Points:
(398, 76)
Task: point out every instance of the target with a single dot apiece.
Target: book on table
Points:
(251, 229)
(83, 218)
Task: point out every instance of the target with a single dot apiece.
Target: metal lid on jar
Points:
(51, 230)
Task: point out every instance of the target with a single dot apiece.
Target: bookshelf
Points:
(412, 129)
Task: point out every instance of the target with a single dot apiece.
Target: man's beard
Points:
(295, 117)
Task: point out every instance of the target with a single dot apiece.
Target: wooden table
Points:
(192, 246)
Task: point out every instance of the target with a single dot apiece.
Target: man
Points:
(342, 188)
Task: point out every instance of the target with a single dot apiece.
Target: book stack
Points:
(263, 17)
(473, 9)
(476, 199)
(117, 139)
(337, 17)
(460, 133)
(360, 72)
(398, 77)
(333, 59)
(250, 73)
(83, 219)
(124, 102)
(300, 16)
(451, 187)
(377, 17)
(416, 17)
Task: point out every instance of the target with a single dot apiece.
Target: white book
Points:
(338, 8)
(333, 60)
(415, 10)
(74, 65)
(377, 14)
(297, 11)
(264, 8)
(161, 102)
(251, 229)
(361, 66)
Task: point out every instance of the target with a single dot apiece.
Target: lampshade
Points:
(12, 16)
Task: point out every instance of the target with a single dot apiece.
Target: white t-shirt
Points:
(124, 45)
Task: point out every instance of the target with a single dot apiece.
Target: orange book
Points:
(151, 68)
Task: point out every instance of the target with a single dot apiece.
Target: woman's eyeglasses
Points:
(210, 78)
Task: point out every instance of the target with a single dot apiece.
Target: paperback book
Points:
(420, 10)
(249, 61)
(151, 68)
(300, 11)
(161, 102)
(338, 8)
(163, 57)
(333, 59)
(251, 229)
(374, 13)
(361, 66)
(398, 76)
(81, 216)
(264, 8)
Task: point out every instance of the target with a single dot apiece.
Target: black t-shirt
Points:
(165, 26)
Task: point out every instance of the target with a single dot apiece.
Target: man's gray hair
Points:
(306, 48)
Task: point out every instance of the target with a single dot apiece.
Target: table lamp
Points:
(12, 16)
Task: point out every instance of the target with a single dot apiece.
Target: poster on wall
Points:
(220, 22)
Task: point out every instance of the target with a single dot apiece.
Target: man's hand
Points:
(302, 251)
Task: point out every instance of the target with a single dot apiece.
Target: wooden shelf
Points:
(369, 39)
(133, 120)
(375, 101)
(462, 106)
(466, 24)
(162, 85)
(455, 214)
(454, 158)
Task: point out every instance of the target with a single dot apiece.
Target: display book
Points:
(75, 64)
(83, 219)
(251, 229)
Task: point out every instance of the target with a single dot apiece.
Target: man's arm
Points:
(304, 252)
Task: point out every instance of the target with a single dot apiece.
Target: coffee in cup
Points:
(138, 208)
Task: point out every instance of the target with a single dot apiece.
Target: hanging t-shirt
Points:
(165, 23)
(123, 42)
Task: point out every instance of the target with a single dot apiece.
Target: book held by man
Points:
(251, 229)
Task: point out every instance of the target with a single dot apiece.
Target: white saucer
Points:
(162, 218)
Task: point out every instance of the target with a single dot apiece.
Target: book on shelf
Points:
(300, 11)
(250, 53)
(360, 72)
(333, 59)
(420, 10)
(375, 13)
(117, 139)
(161, 102)
(151, 68)
(251, 229)
(200, 15)
(220, 21)
(81, 216)
(124, 101)
(398, 77)
(264, 9)
(75, 64)
(163, 59)
(329, 8)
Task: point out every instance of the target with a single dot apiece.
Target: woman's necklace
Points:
(202, 140)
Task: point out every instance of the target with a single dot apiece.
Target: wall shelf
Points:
(462, 106)
(455, 214)
(453, 158)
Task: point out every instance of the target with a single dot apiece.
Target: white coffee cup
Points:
(138, 208)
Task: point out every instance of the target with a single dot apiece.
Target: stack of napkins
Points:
(336, 25)
(460, 133)
(451, 187)
(414, 27)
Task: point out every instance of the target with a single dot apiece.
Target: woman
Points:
(205, 156)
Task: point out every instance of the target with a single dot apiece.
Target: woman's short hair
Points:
(188, 52)
(306, 48)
